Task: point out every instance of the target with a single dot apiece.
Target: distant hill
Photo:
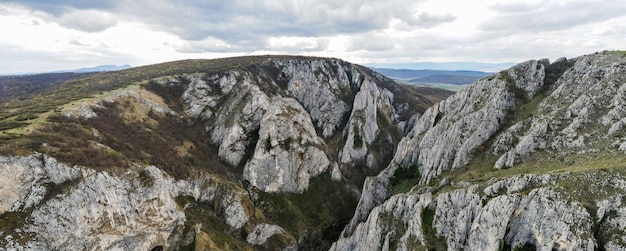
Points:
(448, 66)
(461, 77)
(447, 79)
(98, 68)
(19, 86)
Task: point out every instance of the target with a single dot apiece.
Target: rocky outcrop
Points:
(25, 181)
(540, 215)
(533, 112)
(395, 225)
(323, 88)
(288, 152)
(591, 91)
(61, 207)
(448, 135)
(272, 124)
(363, 127)
(248, 111)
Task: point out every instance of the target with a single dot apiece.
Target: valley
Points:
(307, 153)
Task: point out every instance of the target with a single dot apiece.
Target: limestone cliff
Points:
(59, 207)
(530, 157)
(273, 153)
(223, 154)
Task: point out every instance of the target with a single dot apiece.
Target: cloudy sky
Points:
(39, 35)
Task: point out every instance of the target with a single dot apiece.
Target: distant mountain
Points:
(449, 66)
(458, 77)
(447, 79)
(412, 74)
(98, 68)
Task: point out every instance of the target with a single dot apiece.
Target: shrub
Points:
(268, 143)
(358, 141)
(402, 173)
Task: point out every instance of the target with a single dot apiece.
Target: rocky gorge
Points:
(296, 153)
(217, 154)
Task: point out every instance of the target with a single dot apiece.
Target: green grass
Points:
(481, 169)
(433, 242)
(526, 110)
(571, 164)
(615, 53)
(404, 179)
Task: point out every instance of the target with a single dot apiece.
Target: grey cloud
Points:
(371, 42)
(58, 7)
(87, 20)
(80, 4)
(426, 20)
(208, 45)
(238, 21)
(4, 11)
(551, 15)
(617, 31)
(76, 42)
(512, 6)
(309, 45)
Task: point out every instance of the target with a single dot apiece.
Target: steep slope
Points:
(529, 158)
(230, 154)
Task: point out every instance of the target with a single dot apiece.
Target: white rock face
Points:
(109, 211)
(318, 86)
(549, 223)
(134, 210)
(454, 215)
(580, 113)
(488, 227)
(262, 232)
(326, 95)
(288, 152)
(448, 134)
(542, 218)
(237, 120)
(24, 181)
(398, 218)
(362, 128)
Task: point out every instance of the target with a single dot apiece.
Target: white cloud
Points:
(428, 20)
(550, 15)
(363, 31)
(87, 20)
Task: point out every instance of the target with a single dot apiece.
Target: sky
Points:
(43, 35)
